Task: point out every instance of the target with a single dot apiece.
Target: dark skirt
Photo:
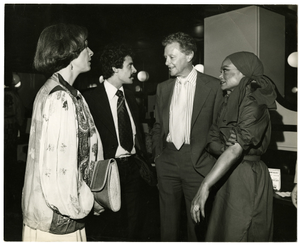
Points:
(243, 206)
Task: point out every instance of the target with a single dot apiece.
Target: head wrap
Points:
(253, 70)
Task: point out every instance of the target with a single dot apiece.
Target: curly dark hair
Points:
(186, 42)
(58, 45)
(114, 55)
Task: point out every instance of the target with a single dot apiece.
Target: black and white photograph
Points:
(150, 122)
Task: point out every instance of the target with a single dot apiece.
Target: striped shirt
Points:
(191, 86)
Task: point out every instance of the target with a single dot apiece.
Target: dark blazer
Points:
(100, 109)
(207, 102)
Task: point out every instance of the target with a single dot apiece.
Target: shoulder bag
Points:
(105, 184)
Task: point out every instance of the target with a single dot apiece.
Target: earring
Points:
(71, 66)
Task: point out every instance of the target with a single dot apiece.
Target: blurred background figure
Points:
(14, 115)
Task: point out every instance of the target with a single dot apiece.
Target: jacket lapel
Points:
(201, 94)
(168, 91)
(104, 109)
(134, 110)
(131, 103)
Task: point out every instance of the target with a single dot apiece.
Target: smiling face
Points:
(83, 62)
(230, 76)
(179, 63)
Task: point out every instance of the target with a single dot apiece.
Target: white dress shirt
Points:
(190, 87)
(113, 100)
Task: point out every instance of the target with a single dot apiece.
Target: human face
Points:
(230, 76)
(83, 62)
(178, 62)
(125, 74)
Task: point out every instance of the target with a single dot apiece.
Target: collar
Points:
(72, 90)
(191, 78)
(111, 90)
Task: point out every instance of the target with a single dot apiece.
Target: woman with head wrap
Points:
(242, 209)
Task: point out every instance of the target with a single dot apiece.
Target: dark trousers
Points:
(177, 179)
(130, 196)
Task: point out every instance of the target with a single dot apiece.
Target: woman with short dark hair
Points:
(64, 142)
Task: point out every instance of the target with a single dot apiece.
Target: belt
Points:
(124, 159)
(251, 158)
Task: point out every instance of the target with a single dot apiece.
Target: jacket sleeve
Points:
(215, 145)
(62, 184)
(158, 126)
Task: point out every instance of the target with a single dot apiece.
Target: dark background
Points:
(143, 26)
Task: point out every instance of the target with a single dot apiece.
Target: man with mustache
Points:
(122, 139)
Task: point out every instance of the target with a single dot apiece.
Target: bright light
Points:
(199, 30)
(199, 68)
(18, 85)
(293, 59)
(294, 90)
(16, 82)
(101, 79)
(143, 76)
(138, 88)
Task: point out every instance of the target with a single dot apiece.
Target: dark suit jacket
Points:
(207, 102)
(100, 109)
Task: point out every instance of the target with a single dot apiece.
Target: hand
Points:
(232, 139)
(98, 209)
(294, 195)
(198, 203)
